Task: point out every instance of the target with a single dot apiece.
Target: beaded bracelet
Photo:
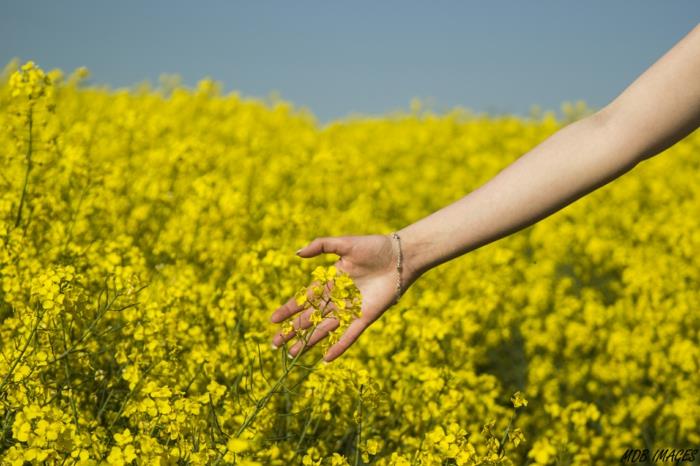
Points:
(399, 267)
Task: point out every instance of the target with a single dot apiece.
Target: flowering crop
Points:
(146, 236)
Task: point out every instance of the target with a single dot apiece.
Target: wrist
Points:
(415, 255)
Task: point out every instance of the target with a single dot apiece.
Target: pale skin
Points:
(661, 107)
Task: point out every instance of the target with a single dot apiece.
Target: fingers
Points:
(351, 334)
(336, 245)
(302, 321)
(320, 332)
(286, 310)
(328, 244)
(291, 307)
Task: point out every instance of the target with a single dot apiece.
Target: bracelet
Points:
(399, 267)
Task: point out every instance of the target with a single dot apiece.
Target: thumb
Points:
(325, 245)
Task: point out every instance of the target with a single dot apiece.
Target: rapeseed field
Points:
(148, 234)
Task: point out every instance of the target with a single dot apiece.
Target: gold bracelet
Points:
(399, 268)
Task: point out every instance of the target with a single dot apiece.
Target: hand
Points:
(371, 263)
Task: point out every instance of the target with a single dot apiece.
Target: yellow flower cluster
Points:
(146, 236)
(346, 299)
(30, 82)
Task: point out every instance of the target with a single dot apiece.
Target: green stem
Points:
(359, 429)
(263, 401)
(260, 404)
(505, 434)
(306, 427)
(21, 354)
(70, 396)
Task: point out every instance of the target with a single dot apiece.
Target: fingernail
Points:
(298, 251)
(325, 362)
(274, 347)
(289, 355)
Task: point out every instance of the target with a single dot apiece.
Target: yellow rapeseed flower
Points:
(518, 400)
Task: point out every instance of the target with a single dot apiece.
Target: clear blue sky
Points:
(368, 57)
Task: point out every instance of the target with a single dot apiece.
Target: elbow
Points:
(617, 131)
(638, 135)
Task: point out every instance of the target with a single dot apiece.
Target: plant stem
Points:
(359, 429)
(505, 434)
(263, 401)
(260, 404)
(24, 349)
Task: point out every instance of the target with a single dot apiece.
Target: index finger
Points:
(287, 309)
(291, 307)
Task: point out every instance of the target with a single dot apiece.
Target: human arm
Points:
(658, 109)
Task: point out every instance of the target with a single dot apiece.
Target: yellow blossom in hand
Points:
(315, 318)
(287, 327)
(301, 297)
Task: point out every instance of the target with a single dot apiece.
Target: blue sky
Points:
(369, 57)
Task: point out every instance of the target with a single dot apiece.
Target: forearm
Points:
(658, 109)
(572, 162)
